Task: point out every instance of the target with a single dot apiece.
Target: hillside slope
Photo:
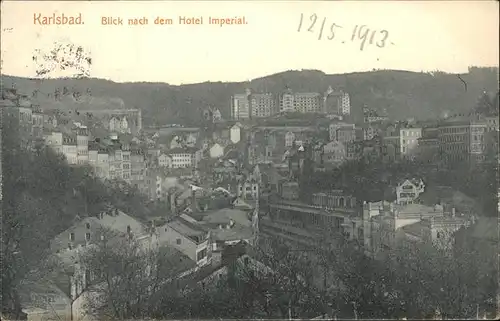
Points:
(401, 94)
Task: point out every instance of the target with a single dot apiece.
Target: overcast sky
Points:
(422, 36)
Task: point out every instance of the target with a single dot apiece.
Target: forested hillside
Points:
(42, 196)
(400, 94)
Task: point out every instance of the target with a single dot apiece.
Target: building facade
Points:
(240, 106)
(262, 105)
(462, 139)
(119, 120)
(342, 132)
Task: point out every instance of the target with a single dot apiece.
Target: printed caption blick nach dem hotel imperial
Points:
(63, 19)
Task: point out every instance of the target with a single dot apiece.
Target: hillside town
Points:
(317, 215)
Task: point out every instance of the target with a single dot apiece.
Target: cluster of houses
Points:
(230, 182)
(198, 238)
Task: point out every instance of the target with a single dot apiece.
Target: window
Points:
(247, 261)
(128, 228)
(87, 236)
(70, 247)
(88, 226)
(71, 236)
(201, 255)
(178, 241)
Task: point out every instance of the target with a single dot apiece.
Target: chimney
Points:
(453, 212)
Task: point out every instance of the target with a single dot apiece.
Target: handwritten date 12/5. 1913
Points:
(361, 34)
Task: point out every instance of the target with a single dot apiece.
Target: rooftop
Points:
(415, 229)
(186, 228)
(222, 216)
(237, 232)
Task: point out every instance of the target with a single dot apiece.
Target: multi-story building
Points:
(334, 153)
(262, 105)
(118, 120)
(115, 159)
(152, 185)
(286, 101)
(289, 139)
(119, 124)
(428, 145)
(69, 148)
(408, 137)
(289, 190)
(342, 132)
(307, 103)
(462, 138)
(401, 142)
(216, 115)
(165, 160)
(383, 222)
(17, 118)
(54, 139)
(336, 102)
(291, 135)
(37, 117)
(369, 131)
(183, 157)
(492, 123)
(240, 106)
(99, 160)
(353, 150)
(372, 116)
(112, 159)
(126, 164)
(82, 146)
(137, 167)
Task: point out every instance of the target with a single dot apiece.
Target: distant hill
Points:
(400, 94)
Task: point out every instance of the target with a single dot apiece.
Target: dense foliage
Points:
(42, 196)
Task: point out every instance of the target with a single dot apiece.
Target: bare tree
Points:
(454, 281)
(129, 280)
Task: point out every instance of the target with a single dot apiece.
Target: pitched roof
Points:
(186, 228)
(415, 229)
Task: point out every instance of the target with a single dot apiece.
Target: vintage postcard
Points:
(249, 160)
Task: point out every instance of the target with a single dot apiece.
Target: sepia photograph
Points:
(258, 160)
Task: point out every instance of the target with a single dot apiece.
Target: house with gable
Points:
(235, 133)
(409, 190)
(216, 150)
